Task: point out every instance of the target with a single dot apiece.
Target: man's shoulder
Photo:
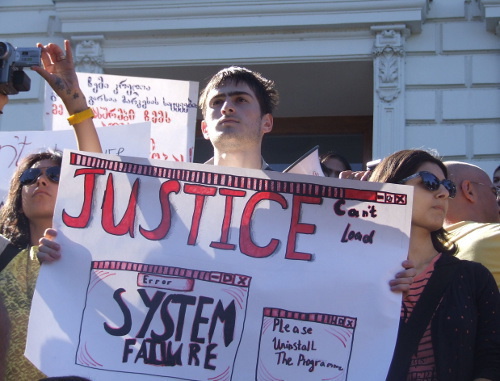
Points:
(466, 228)
(477, 241)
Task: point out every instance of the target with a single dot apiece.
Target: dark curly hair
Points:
(264, 88)
(14, 225)
(402, 164)
(333, 155)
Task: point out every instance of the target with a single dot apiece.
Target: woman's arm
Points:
(48, 250)
(59, 72)
(487, 343)
(4, 99)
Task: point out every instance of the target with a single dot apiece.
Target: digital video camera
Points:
(12, 62)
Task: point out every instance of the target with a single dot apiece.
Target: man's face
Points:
(335, 166)
(233, 119)
(487, 200)
(486, 206)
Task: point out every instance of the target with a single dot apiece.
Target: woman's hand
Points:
(355, 175)
(4, 99)
(59, 72)
(48, 250)
(404, 278)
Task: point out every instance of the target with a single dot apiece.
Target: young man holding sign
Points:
(237, 106)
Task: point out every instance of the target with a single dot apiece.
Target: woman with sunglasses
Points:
(450, 319)
(26, 214)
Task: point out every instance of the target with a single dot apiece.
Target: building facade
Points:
(364, 78)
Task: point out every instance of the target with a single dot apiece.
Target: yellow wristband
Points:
(80, 116)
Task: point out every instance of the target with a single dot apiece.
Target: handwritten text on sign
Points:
(198, 272)
(129, 140)
(169, 105)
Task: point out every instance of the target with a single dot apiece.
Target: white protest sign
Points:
(307, 164)
(169, 105)
(130, 140)
(198, 272)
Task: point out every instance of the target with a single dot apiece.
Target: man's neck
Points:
(448, 222)
(246, 159)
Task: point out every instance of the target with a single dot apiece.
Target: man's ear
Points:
(267, 123)
(468, 191)
(204, 129)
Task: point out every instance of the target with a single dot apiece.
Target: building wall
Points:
(448, 82)
(453, 85)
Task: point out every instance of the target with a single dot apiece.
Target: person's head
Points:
(32, 195)
(237, 106)
(496, 177)
(428, 175)
(263, 88)
(333, 163)
(476, 198)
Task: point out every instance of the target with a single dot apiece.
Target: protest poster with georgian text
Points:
(169, 105)
(129, 140)
(196, 272)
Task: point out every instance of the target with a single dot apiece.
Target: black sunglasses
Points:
(31, 175)
(432, 183)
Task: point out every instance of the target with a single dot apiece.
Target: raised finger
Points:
(366, 176)
(45, 56)
(69, 52)
(50, 233)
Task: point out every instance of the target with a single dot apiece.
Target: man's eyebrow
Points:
(232, 94)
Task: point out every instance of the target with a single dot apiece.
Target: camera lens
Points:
(3, 49)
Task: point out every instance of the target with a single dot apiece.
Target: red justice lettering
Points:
(88, 195)
(226, 223)
(166, 215)
(201, 192)
(247, 246)
(166, 197)
(296, 227)
(126, 224)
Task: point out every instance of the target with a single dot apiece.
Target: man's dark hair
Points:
(264, 88)
(333, 155)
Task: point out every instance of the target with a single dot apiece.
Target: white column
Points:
(87, 54)
(389, 94)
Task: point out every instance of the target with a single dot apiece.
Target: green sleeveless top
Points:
(17, 285)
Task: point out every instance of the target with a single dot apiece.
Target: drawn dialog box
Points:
(304, 346)
(163, 321)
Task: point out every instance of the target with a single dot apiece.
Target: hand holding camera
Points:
(59, 72)
(13, 60)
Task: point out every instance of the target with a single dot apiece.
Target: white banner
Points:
(169, 105)
(129, 140)
(198, 272)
